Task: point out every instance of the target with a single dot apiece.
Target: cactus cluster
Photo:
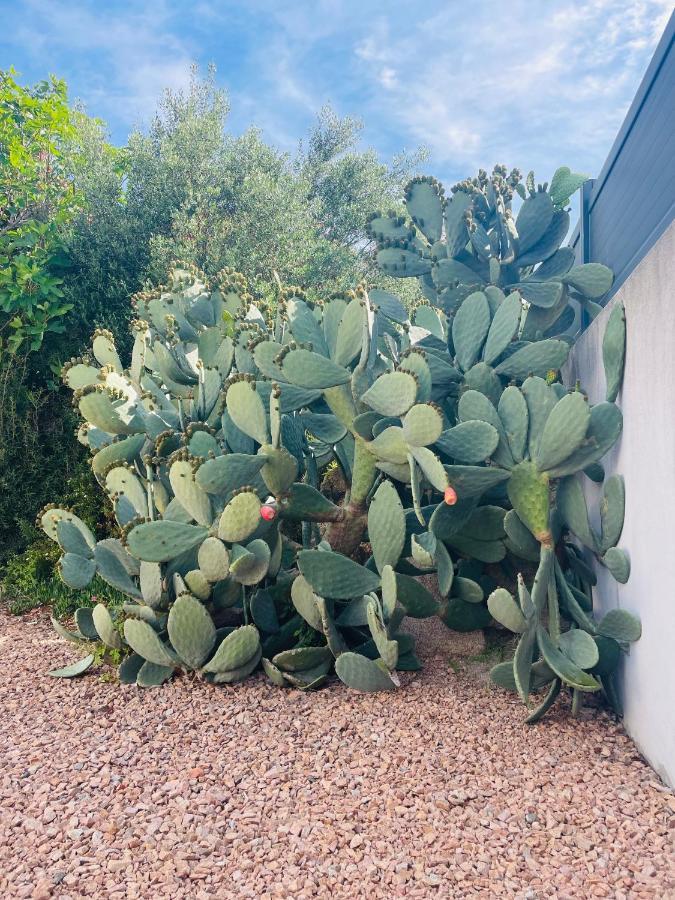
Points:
(210, 446)
(509, 292)
(472, 240)
(458, 451)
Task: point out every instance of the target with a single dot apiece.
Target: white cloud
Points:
(125, 57)
(376, 51)
(388, 77)
(525, 83)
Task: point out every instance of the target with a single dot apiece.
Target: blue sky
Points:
(529, 83)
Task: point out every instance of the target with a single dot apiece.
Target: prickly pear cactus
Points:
(504, 298)
(211, 445)
(473, 242)
(283, 475)
(184, 481)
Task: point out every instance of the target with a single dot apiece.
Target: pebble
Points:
(193, 792)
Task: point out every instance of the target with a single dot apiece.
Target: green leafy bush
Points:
(37, 198)
(37, 456)
(188, 189)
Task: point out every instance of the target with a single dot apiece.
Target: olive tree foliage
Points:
(187, 189)
(345, 184)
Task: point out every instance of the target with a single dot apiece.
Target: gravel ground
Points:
(198, 792)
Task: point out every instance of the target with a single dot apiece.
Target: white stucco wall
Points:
(645, 455)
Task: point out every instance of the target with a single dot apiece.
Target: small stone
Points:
(43, 890)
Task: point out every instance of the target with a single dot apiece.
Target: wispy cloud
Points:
(513, 82)
(124, 57)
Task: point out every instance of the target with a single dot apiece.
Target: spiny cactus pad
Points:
(333, 575)
(74, 669)
(529, 493)
(614, 350)
(144, 640)
(386, 525)
(240, 518)
(191, 631)
(363, 674)
(163, 540)
(105, 627)
(235, 650)
(392, 394)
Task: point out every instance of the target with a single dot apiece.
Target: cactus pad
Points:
(163, 540)
(580, 647)
(106, 627)
(72, 539)
(506, 611)
(224, 474)
(304, 600)
(189, 493)
(422, 425)
(515, 419)
(614, 350)
(76, 571)
(250, 564)
(275, 675)
(240, 518)
(302, 658)
(612, 510)
(74, 669)
(470, 441)
(593, 280)
(534, 359)
(362, 674)
(152, 675)
(563, 432)
(386, 525)
(503, 327)
(214, 559)
(191, 631)
(387, 649)
(470, 328)
(307, 369)
(143, 639)
(618, 563)
(529, 493)
(247, 411)
(392, 394)
(235, 650)
(333, 575)
(563, 667)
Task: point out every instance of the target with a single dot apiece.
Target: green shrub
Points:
(31, 579)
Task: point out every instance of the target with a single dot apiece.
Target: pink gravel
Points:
(197, 792)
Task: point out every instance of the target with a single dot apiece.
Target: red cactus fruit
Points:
(450, 496)
(268, 513)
